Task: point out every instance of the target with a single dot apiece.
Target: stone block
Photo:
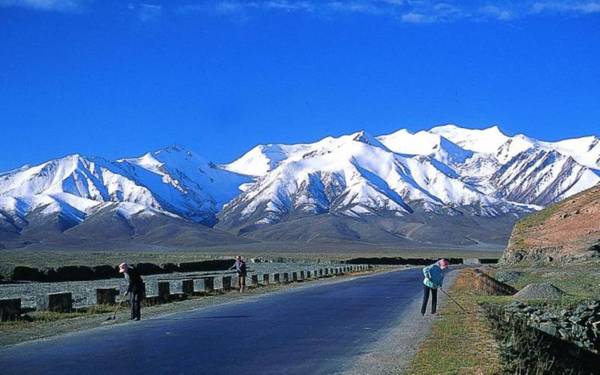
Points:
(10, 309)
(187, 287)
(106, 296)
(209, 284)
(164, 290)
(198, 285)
(58, 302)
(276, 278)
(226, 283)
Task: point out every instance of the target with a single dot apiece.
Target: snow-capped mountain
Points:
(447, 170)
(462, 186)
(356, 175)
(173, 183)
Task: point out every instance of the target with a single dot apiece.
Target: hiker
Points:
(434, 278)
(135, 289)
(240, 268)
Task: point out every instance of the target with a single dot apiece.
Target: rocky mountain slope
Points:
(566, 231)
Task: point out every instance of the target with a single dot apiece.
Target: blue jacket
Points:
(434, 276)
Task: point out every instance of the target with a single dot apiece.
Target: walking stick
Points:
(114, 316)
(453, 300)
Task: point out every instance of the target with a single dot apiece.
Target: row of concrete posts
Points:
(173, 290)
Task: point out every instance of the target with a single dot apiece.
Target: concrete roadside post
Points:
(164, 291)
(226, 283)
(187, 287)
(198, 285)
(106, 296)
(209, 284)
(58, 302)
(10, 309)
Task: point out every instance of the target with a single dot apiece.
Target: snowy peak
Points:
(542, 177)
(171, 181)
(426, 144)
(366, 138)
(478, 140)
(263, 158)
(586, 150)
(514, 146)
(356, 175)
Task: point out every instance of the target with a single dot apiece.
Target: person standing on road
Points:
(434, 278)
(135, 289)
(240, 268)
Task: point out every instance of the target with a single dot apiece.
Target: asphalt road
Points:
(317, 329)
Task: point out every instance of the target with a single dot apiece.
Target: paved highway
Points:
(315, 329)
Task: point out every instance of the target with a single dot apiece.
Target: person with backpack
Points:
(240, 268)
(135, 289)
(434, 278)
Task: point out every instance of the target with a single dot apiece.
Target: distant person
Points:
(434, 278)
(240, 268)
(135, 289)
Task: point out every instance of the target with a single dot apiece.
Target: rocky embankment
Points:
(535, 341)
(580, 325)
(565, 232)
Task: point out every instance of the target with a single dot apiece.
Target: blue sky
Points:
(119, 78)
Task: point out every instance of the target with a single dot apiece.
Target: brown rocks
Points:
(568, 231)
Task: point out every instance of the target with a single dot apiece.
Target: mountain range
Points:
(447, 186)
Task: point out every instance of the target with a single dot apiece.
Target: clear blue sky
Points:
(118, 78)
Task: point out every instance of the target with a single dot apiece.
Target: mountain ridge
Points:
(385, 185)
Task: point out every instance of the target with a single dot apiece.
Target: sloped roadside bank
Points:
(501, 335)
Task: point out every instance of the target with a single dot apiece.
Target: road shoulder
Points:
(392, 354)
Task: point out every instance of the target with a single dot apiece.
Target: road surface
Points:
(316, 329)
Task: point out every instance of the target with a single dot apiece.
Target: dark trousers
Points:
(426, 291)
(136, 305)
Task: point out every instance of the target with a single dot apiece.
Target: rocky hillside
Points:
(566, 231)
